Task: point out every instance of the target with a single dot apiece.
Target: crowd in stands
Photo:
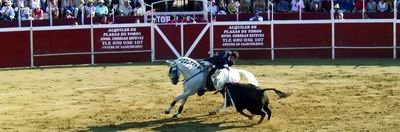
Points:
(258, 6)
(55, 9)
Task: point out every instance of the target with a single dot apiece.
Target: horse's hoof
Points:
(166, 112)
(212, 113)
(175, 116)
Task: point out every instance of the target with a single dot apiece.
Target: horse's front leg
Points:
(168, 110)
(181, 107)
(182, 96)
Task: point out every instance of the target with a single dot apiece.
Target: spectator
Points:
(112, 7)
(138, 11)
(7, 13)
(283, 6)
(67, 5)
(78, 5)
(232, 7)
(358, 6)
(297, 5)
(37, 13)
(212, 8)
(390, 4)
(69, 15)
(25, 13)
(53, 7)
(244, 6)
(347, 5)
(35, 4)
(125, 9)
(222, 6)
(3, 2)
(316, 5)
(382, 6)
(338, 13)
(43, 4)
(259, 6)
(326, 6)
(89, 9)
(257, 17)
(20, 4)
(101, 9)
(371, 6)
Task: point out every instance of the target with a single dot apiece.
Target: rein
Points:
(184, 81)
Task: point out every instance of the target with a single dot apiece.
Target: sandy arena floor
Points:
(133, 98)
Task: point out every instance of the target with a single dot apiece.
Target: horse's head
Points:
(173, 72)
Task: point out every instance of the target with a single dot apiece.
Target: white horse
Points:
(195, 75)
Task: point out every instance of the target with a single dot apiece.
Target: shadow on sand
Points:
(194, 123)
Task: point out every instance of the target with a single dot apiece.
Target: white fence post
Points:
(153, 54)
(182, 41)
(333, 30)
(272, 33)
(91, 40)
(395, 30)
(31, 43)
(211, 52)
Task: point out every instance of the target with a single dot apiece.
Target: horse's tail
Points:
(279, 93)
(250, 77)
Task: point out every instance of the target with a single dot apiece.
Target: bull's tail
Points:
(249, 76)
(279, 93)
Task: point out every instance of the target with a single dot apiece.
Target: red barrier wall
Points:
(371, 34)
(364, 53)
(14, 49)
(255, 54)
(302, 35)
(173, 33)
(61, 41)
(191, 32)
(304, 53)
(398, 40)
(364, 35)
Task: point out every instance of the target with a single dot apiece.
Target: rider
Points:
(221, 60)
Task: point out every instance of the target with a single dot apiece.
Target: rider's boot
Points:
(201, 91)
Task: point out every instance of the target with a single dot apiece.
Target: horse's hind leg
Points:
(180, 107)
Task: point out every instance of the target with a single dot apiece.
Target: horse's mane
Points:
(188, 59)
(188, 62)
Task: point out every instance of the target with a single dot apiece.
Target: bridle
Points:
(185, 80)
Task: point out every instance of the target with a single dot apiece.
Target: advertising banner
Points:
(242, 36)
(122, 39)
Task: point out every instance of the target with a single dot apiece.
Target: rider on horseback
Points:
(221, 60)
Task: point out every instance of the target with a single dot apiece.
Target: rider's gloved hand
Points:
(226, 66)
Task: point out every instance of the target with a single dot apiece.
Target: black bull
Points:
(250, 97)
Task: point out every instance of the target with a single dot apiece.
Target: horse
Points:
(195, 75)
